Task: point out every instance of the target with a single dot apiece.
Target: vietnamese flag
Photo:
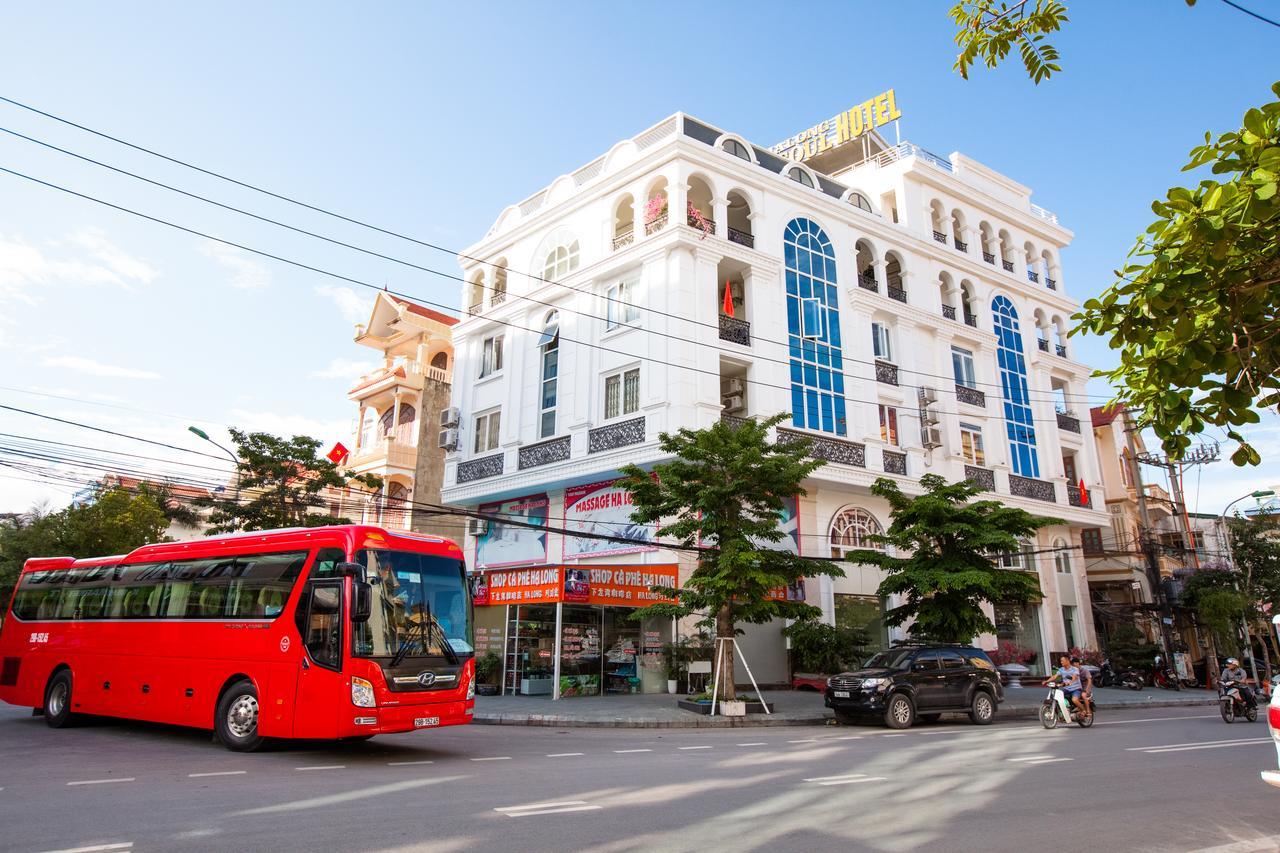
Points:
(728, 298)
(1084, 493)
(339, 454)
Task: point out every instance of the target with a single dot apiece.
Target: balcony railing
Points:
(1043, 344)
(734, 330)
(1051, 284)
(476, 308)
(498, 297)
(543, 453)
(478, 469)
(612, 436)
(830, 449)
(989, 258)
(1076, 499)
(1008, 265)
(971, 319)
(972, 396)
(742, 238)
(961, 245)
(940, 237)
(868, 282)
(1061, 350)
(1033, 276)
(656, 224)
(949, 312)
(626, 238)
(733, 420)
(896, 293)
(886, 372)
(983, 478)
(895, 463)
(1068, 422)
(694, 223)
(1029, 487)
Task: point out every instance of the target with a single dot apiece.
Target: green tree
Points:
(1216, 597)
(987, 30)
(723, 491)
(1128, 648)
(949, 572)
(817, 647)
(280, 484)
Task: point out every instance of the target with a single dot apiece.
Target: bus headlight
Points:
(361, 693)
(471, 687)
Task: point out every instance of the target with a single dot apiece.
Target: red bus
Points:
(330, 632)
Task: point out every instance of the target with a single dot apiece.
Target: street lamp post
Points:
(1231, 559)
(202, 434)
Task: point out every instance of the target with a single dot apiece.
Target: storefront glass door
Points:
(580, 658)
(531, 631)
(621, 651)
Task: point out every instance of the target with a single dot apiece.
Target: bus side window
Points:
(265, 582)
(324, 627)
(327, 562)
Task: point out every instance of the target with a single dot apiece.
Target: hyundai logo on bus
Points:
(426, 679)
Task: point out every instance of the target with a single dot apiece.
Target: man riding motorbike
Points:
(1235, 675)
(1068, 677)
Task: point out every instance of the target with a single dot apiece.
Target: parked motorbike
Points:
(1162, 675)
(1109, 676)
(1232, 704)
(1056, 709)
(1133, 679)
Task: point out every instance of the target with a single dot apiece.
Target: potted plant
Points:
(673, 665)
(487, 667)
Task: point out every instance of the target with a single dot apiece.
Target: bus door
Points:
(323, 691)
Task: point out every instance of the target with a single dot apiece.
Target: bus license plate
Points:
(422, 722)
(842, 694)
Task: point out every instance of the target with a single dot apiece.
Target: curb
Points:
(1029, 712)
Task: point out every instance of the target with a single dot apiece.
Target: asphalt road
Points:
(1154, 780)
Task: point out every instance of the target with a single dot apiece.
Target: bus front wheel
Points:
(57, 700)
(236, 719)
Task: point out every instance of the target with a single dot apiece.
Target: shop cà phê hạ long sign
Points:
(842, 128)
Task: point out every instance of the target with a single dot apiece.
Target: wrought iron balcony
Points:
(886, 372)
(498, 297)
(1043, 344)
(1033, 276)
(896, 293)
(543, 453)
(478, 469)
(949, 312)
(711, 224)
(1068, 422)
(1076, 499)
(1051, 284)
(989, 258)
(983, 478)
(1008, 265)
(972, 396)
(612, 436)
(476, 308)
(656, 224)
(626, 238)
(971, 319)
(1029, 487)
(868, 282)
(742, 238)
(830, 449)
(940, 237)
(733, 420)
(1061, 350)
(961, 245)
(895, 463)
(734, 330)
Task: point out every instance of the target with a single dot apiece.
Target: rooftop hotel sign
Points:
(845, 127)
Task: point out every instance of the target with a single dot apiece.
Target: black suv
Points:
(906, 682)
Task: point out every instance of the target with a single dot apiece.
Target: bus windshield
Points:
(420, 603)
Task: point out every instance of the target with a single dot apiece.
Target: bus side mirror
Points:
(361, 601)
(354, 570)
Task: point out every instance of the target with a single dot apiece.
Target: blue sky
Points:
(428, 119)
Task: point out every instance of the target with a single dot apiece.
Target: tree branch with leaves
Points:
(988, 31)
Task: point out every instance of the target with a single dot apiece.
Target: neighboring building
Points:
(399, 407)
(900, 285)
(179, 494)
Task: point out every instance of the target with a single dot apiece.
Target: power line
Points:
(1252, 13)
(109, 432)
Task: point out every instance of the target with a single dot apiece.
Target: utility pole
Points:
(1147, 544)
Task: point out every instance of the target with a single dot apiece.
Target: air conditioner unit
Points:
(450, 417)
(449, 438)
(731, 386)
(931, 437)
(927, 395)
(477, 526)
(733, 403)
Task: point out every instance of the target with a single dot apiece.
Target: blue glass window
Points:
(813, 320)
(1019, 424)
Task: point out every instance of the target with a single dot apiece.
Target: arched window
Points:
(813, 326)
(1061, 557)
(800, 176)
(407, 416)
(396, 504)
(549, 346)
(440, 360)
(1023, 559)
(560, 261)
(852, 529)
(499, 293)
(859, 201)
(1018, 421)
(736, 148)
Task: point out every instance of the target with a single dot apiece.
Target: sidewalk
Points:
(791, 708)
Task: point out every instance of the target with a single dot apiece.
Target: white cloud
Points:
(246, 273)
(288, 426)
(112, 257)
(97, 368)
(345, 368)
(25, 268)
(354, 308)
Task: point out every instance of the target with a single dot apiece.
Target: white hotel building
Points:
(897, 284)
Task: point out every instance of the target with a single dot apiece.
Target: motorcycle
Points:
(1056, 709)
(1133, 679)
(1109, 676)
(1164, 676)
(1231, 702)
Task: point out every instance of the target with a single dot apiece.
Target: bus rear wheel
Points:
(236, 719)
(57, 700)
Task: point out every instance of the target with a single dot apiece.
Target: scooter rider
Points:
(1086, 681)
(1236, 673)
(1068, 676)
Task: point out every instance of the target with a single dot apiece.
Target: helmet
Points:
(1232, 662)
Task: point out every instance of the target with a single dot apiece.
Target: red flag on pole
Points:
(338, 455)
(1084, 493)
(728, 298)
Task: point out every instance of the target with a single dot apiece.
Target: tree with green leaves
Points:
(1220, 604)
(280, 484)
(723, 493)
(949, 572)
(987, 30)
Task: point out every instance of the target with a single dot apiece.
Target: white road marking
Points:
(850, 737)
(854, 779)
(899, 734)
(407, 763)
(1029, 758)
(217, 773)
(804, 740)
(1257, 845)
(1050, 760)
(625, 751)
(1151, 719)
(1206, 746)
(102, 781)
(1227, 741)
(494, 758)
(123, 845)
(564, 754)
(834, 778)
(757, 743)
(546, 808)
(694, 747)
(323, 767)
